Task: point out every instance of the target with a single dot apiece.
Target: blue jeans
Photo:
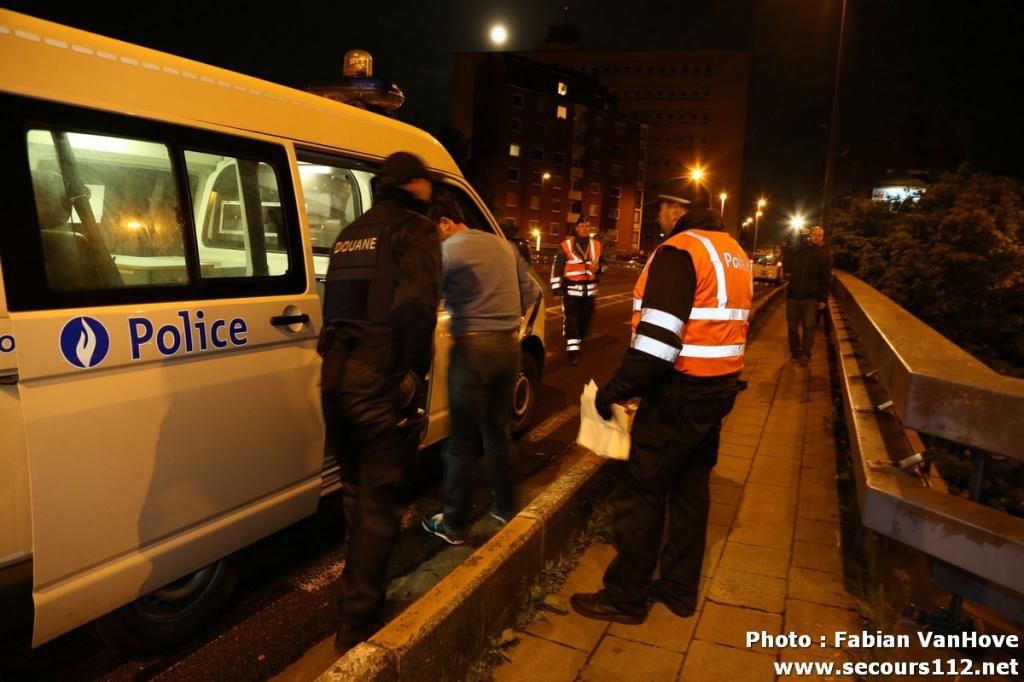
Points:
(482, 370)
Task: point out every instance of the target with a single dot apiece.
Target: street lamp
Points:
(757, 222)
(536, 234)
(546, 176)
(797, 222)
(723, 196)
(696, 173)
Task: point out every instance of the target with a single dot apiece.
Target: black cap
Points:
(403, 167)
(580, 219)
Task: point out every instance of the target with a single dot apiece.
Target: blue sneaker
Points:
(435, 525)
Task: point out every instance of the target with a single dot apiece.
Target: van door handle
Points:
(288, 320)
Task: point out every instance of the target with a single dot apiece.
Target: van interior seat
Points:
(70, 263)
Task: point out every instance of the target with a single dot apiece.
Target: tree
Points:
(955, 259)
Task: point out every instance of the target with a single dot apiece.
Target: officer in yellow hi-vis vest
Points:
(574, 276)
(690, 310)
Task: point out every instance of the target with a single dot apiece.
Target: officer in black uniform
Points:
(380, 309)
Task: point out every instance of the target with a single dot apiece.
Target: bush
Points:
(954, 259)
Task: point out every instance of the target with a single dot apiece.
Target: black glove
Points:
(603, 404)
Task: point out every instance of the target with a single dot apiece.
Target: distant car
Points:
(768, 269)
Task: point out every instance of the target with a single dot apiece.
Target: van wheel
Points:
(524, 395)
(172, 614)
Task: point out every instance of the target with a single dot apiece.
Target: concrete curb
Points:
(453, 622)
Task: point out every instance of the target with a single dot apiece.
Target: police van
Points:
(163, 248)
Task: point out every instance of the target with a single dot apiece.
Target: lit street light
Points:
(546, 176)
(761, 203)
(536, 234)
(498, 35)
(696, 173)
(797, 222)
(723, 196)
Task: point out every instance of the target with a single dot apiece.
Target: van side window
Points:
(239, 225)
(108, 210)
(335, 196)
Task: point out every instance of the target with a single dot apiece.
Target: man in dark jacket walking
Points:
(380, 309)
(810, 273)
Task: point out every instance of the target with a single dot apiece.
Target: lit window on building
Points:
(563, 89)
(562, 113)
(513, 149)
(594, 209)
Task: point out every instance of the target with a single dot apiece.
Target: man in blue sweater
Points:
(486, 288)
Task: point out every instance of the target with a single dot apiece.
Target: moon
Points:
(498, 34)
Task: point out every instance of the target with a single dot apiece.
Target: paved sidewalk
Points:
(772, 561)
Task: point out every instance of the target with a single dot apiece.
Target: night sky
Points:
(926, 85)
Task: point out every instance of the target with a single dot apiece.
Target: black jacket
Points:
(810, 272)
(671, 286)
(362, 373)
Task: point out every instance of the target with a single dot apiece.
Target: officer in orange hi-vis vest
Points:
(690, 312)
(574, 276)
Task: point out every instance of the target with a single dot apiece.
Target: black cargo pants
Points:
(375, 466)
(577, 311)
(674, 447)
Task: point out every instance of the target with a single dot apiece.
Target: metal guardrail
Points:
(897, 372)
(936, 386)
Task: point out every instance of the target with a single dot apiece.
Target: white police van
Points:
(166, 230)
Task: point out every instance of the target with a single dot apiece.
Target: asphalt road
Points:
(284, 604)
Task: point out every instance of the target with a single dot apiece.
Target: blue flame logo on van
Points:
(84, 342)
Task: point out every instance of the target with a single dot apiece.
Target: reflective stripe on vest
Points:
(714, 337)
(577, 268)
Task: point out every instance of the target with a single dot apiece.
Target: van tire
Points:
(172, 614)
(525, 394)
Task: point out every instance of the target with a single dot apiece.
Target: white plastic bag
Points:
(605, 438)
